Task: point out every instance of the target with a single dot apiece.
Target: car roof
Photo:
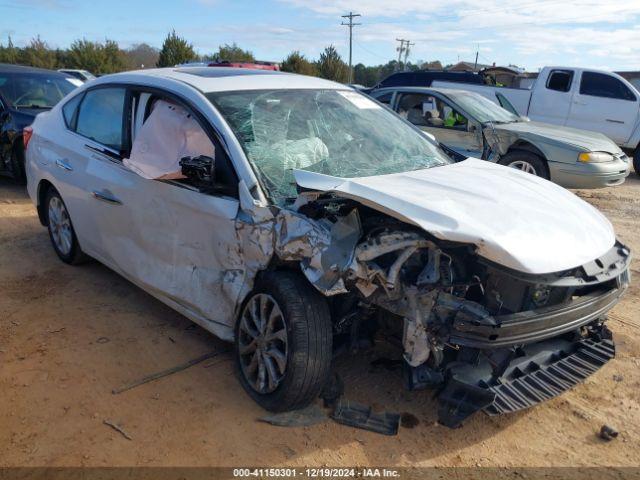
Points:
(220, 79)
(12, 68)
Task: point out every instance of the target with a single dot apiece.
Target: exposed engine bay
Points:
(488, 337)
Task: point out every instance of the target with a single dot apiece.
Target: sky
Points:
(531, 34)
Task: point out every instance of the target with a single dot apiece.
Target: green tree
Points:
(232, 53)
(85, 54)
(331, 66)
(38, 54)
(10, 53)
(142, 55)
(175, 50)
(297, 63)
(114, 59)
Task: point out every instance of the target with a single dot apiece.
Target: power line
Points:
(351, 16)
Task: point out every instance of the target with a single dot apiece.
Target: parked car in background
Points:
(424, 78)
(583, 98)
(307, 216)
(24, 93)
(473, 126)
(83, 75)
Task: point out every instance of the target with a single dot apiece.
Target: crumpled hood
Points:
(515, 219)
(587, 140)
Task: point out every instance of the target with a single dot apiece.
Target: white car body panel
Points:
(515, 219)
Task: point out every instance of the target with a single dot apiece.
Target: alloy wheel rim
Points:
(262, 342)
(523, 166)
(60, 226)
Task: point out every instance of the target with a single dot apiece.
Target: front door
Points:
(551, 102)
(177, 243)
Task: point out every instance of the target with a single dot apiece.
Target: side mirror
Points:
(200, 171)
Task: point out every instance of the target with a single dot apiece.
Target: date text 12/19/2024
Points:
(323, 472)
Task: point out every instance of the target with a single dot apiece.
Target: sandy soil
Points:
(69, 335)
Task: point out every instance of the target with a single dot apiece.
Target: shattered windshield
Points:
(334, 132)
(481, 108)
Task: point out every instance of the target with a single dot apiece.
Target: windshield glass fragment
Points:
(333, 132)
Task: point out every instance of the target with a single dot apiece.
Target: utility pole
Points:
(351, 16)
(400, 49)
(406, 53)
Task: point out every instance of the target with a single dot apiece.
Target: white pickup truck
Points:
(583, 98)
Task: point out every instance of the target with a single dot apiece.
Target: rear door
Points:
(94, 138)
(551, 101)
(604, 104)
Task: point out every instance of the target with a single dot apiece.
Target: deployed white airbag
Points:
(169, 134)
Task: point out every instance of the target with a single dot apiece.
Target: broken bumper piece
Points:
(542, 371)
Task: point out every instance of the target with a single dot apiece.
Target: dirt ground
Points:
(69, 335)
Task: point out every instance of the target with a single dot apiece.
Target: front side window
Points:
(603, 85)
(34, 90)
(334, 132)
(100, 117)
(560, 80)
(385, 98)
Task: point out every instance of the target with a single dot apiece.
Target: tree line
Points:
(107, 57)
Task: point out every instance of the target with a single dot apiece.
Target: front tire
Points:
(636, 160)
(527, 162)
(283, 342)
(61, 232)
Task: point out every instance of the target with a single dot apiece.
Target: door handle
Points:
(64, 164)
(579, 103)
(106, 197)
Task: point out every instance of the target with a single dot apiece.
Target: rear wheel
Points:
(636, 160)
(63, 237)
(526, 162)
(283, 342)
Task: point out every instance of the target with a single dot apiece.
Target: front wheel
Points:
(636, 160)
(526, 162)
(283, 342)
(63, 237)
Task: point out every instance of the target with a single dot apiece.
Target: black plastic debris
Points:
(459, 400)
(421, 377)
(311, 415)
(608, 433)
(362, 416)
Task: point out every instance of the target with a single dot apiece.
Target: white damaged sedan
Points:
(294, 216)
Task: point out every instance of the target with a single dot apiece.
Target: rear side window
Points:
(100, 117)
(603, 85)
(560, 80)
(70, 110)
